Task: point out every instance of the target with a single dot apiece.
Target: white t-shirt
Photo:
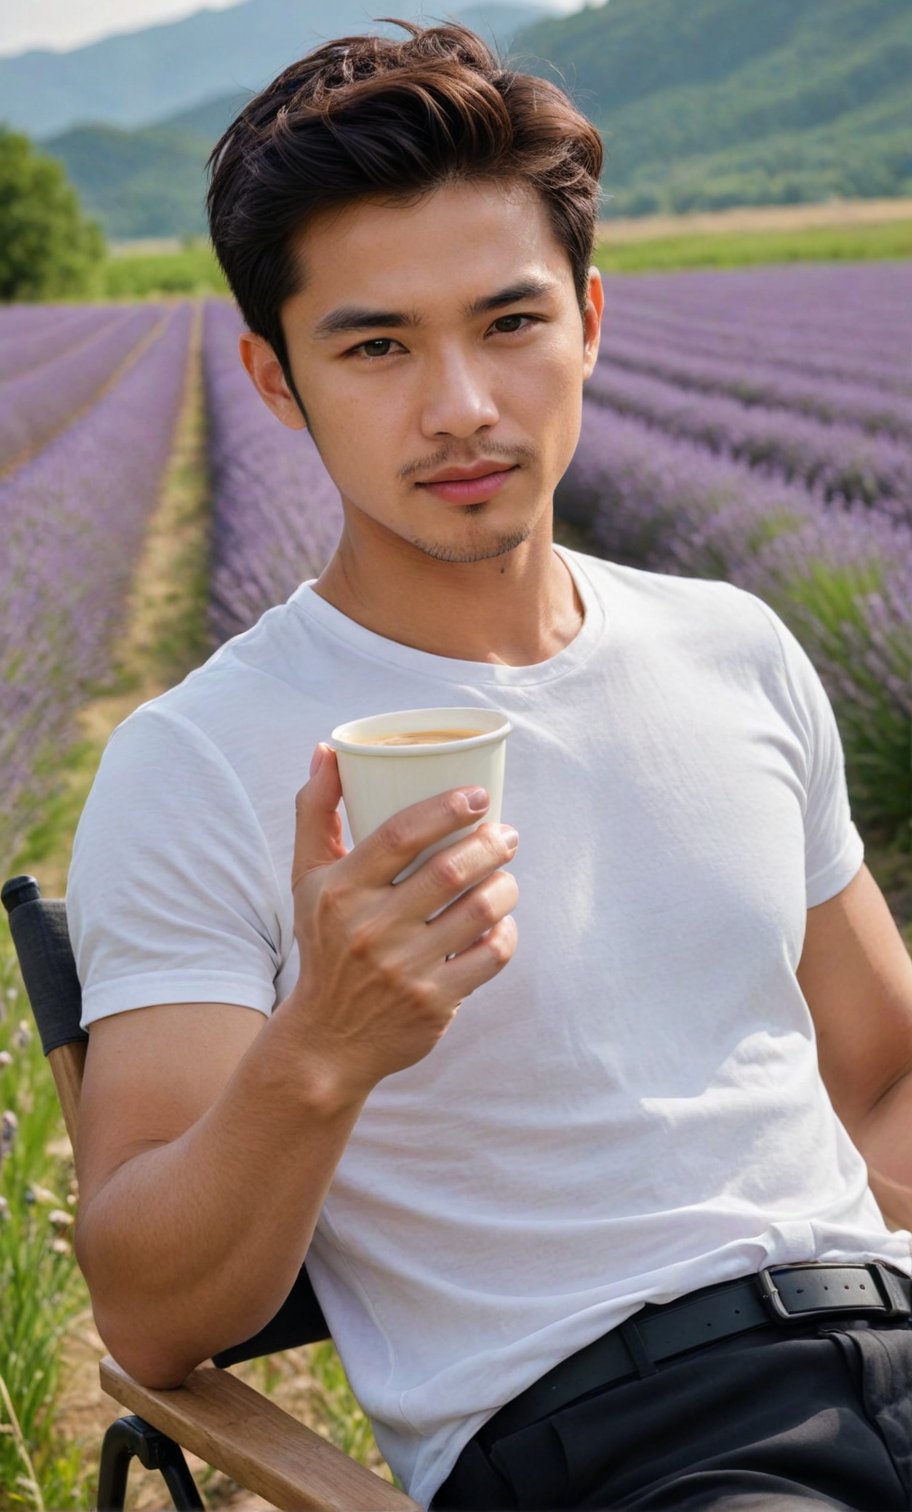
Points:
(632, 1109)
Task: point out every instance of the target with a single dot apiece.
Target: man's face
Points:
(436, 338)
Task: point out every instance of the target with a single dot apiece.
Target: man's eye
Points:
(379, 346)
(507, 324)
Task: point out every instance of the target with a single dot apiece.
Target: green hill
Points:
(139, 77)
(136, 183)
(148, 180)
(726, 102)
(703, 105)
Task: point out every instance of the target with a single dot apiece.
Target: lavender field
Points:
(74, 516)
(755, 426)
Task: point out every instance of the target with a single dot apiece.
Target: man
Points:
(535, 1171)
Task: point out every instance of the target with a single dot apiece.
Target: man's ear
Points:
(592, 321)
(268, 379)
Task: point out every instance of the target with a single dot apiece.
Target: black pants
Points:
(813, 1415)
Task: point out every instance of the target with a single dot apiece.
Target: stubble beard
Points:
(478, 552)
(485, 546)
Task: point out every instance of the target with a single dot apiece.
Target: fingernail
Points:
(510, 835)
(316, 761)
(477, 799)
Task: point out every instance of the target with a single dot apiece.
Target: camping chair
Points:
(214, 1414)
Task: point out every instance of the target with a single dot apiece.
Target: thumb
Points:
(318, 823)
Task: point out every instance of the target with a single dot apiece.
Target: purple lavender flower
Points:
(845, 322)
(763, 383)
(841, 460)
(51, 394)
(74, 521)
(48, 331)
(276, 511)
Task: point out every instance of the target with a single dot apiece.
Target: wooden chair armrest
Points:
(218, 1417)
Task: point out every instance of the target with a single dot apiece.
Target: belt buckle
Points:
(773, 1298)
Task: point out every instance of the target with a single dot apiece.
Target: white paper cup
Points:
(380, 780)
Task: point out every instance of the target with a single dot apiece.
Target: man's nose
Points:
(458, 399)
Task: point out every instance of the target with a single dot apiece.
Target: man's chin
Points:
(473, 551)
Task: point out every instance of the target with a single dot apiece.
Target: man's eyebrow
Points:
(527, 288)
(361, 318)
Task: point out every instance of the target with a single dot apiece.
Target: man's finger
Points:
(459, 867)
(482, 961)
(318, 826)
(394, 845)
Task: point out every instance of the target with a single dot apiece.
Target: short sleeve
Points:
(172, 895)
(833, 847)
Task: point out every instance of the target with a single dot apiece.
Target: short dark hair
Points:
(367, 116)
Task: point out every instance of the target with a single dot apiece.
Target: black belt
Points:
(781, 1294)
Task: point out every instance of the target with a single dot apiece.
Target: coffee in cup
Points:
(389, 761)
(415, 737)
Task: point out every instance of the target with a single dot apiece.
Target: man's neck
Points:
(517, 609)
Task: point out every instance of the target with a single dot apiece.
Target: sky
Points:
(63, 24)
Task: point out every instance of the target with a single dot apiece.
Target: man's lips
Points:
(470, 485)
(477, 470)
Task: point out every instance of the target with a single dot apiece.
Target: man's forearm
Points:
(193, 1245)
(884, 1138)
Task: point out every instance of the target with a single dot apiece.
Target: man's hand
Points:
(384, 968)
(189, 1109)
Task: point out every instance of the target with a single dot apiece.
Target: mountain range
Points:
(702, 103)
(141, 77)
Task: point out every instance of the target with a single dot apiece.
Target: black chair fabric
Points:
(42, 941)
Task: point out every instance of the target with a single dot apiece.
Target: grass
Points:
(891, 240)
(192, 269)
(39, 1281)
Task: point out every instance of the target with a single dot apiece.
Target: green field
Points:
(138, 275)
(193, 269)
(735, 249)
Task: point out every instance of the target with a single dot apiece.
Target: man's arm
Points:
(856, 975)
(208, 1135)
(205, 1148)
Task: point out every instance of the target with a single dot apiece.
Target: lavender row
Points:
(867, 304)
(840, 577)
(19, 319)
(864, 363)
(863, 316)
(762, 383)
(276, 512)
(846, 463)
(42, 401)
(36, 341)
(74, 521)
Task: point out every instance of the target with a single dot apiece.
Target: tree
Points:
(48, 248)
